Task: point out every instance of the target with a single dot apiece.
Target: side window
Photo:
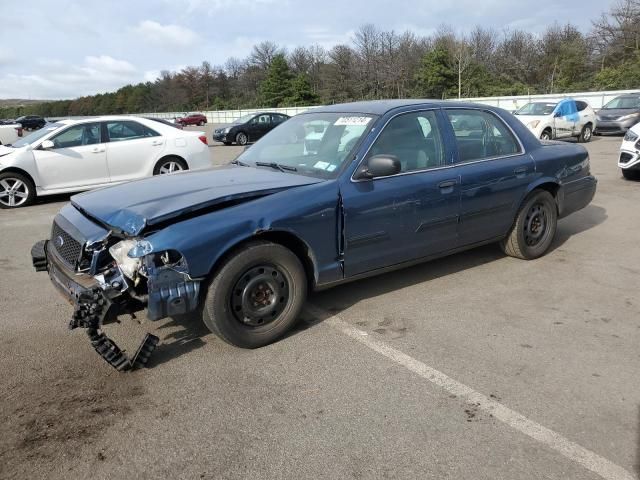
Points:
(481, 135)
(78, 135)
(277, 119)
(262, 119)
(581, 105)
(128, 130)
(415, 139)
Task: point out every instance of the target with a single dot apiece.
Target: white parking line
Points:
(588, 459)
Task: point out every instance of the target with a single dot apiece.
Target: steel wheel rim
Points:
(259, 296)
(536, 225)
(13, 192)
(170, 167)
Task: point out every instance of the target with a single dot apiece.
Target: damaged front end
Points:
(105, 274)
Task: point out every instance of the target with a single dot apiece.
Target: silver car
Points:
(619, 115)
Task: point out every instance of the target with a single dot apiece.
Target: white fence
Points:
(228, 116)
(595, 99)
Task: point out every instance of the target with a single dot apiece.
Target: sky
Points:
(69, 48)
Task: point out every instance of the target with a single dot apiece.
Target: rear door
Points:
(132, 149)
(413, 214)
(495, 172)
(78, 158)
(261, 126)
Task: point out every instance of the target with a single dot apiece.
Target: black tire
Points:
(631, 174)
(242, 139)
(546, 135)
(230, 309)
(9, 179)
(201, 123)
(534, 227)
(586, 134)
(161, 166)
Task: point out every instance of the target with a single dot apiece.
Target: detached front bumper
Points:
(92, 306)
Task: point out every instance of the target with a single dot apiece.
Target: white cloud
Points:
(166, 35)
(58, 79)
(6, 56)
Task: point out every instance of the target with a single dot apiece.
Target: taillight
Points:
(203, 139)
(19, 129)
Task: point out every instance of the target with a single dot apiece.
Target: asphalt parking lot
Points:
(475, 366)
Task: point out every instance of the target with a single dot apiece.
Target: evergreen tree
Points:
(436, 76)
(301, 91)
(275, 89)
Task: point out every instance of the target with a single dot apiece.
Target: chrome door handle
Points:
(97, 150)
(520, 172)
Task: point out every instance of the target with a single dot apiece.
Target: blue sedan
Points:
(333, 195)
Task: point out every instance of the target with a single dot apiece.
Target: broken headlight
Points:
(120, 253)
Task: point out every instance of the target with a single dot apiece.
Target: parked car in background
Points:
(555, 120)
(165, 122)
(74, 155)
(31, 122)
(10, 133)
(192, 119)
(619, 115)
(249, 128)
(629, 160)
(389, 184)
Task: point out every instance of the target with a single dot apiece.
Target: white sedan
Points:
(629, 160)
(75, 155)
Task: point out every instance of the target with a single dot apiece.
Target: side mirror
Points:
(47, 145)
(379, 166)
(557, 114)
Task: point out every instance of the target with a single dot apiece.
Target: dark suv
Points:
(249, 128)
(31, 122)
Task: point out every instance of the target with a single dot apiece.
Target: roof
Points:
(380, 107)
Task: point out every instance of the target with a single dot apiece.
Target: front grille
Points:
(625, 157)
(67, 247)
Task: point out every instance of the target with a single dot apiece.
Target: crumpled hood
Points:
(130, 207)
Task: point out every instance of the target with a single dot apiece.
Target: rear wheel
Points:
(16, 190)
(256, 295)
(534, 228)
(200, 123)
(242, 139)
(170, 165)
(586, 134)
(631, 174)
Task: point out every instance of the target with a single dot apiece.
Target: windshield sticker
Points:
(331, 168)
(321, 165)
(352, 121)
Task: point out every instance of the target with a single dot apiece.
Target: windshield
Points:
(37, 135)
(245, 118)
(537, 109)
(623, 102)
(314, 144)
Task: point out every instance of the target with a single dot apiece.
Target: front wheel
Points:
(242, 139)
(585, 134)
(16, 190)
(534, 228)
(256, 296)
(546, 135)
(631, 174)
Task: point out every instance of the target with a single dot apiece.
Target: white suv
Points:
(554, 120)
(629, 160)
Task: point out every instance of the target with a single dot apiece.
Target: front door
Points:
(495, 172)
(414, 214)
(566, 119)
(78, 159)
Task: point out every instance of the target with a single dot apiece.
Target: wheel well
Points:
(552, 188)
(20, 171)
(169, 156)
(287, 240)
(588, 123)
(547, 129)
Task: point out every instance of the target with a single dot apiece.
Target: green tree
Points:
(275, 89)
(436, 76)
(301, 91)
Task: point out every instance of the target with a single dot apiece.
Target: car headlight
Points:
(533, 124)
(630, 136)
(629, 117)
(120, 253)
